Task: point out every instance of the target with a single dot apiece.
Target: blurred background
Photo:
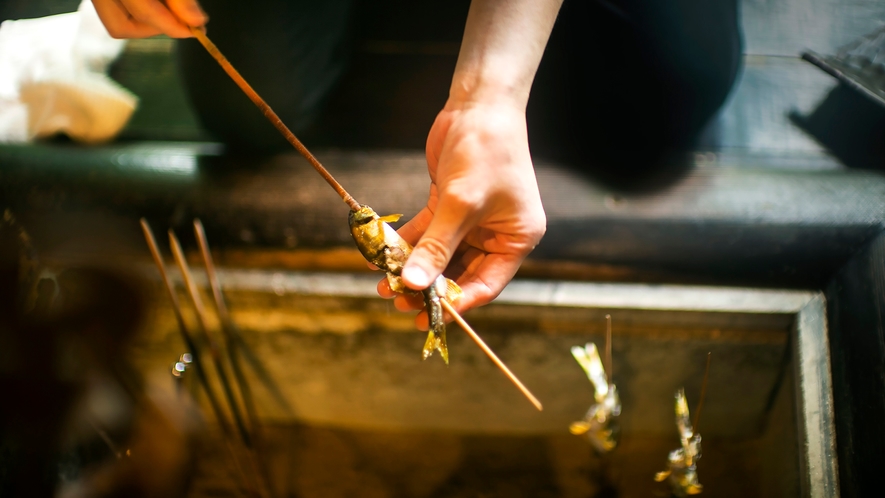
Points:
(697, 211)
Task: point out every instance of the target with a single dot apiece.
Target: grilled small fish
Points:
(600, 424)
(682, 470)
(383, 247)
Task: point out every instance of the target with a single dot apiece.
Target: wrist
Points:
(487, 87)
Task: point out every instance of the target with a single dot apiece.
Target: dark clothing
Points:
(624, 86)
(292, 52)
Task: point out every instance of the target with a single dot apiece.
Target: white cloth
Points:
(52, 79)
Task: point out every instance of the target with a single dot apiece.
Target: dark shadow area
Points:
(25, 9)
(741, 253)
(850, 125)
(856, 302)
(622, 94)
(626, 87)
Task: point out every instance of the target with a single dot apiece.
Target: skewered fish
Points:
(600, 424)
(682, 472)
(382, 246)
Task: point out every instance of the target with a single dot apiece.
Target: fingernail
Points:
(416, 276)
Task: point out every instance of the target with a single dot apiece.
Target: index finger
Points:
(413, 229)
(155, 13)
(188, 11)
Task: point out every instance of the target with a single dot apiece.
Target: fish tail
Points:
(436, 338)
(436, 341)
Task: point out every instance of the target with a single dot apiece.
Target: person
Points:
(484, 209)
(638, 72)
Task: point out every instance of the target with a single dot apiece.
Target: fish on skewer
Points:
(682, 471)
(382, 246)
(600, 423)
(436, 294)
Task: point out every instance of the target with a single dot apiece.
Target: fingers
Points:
(402, 302)
(119, 23)
(448, 226)
(482, 278)
(413, 229)
(154, 13)
(188, 11)
(485, 280)
(143, 18)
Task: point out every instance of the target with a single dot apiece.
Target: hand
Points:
(143, 18)
(484, 213)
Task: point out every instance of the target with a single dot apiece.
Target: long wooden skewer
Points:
(227, 329)
(230, 335)
(235, 341)
(491, 354)
(185, 334)
(697, 412)
(609, 369)
(214, 350)
(200, 34)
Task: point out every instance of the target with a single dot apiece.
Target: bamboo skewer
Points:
(226, 325)
(609, 369)
(185, 334)
(200, 34)
(491, 354)
(697, 412)
(230, 334)
(214, 350)
(195, 351)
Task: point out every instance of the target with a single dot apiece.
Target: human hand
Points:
(484, 214)
(143, 18)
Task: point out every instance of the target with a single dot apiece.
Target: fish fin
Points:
(390, 218)
(661, 476)
(437, 342)
(578, 428)
(453, 291)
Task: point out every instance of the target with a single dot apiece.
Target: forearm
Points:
(502, 47)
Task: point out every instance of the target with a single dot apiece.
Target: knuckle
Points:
(537, 233)
(534, 231)
(462, 201)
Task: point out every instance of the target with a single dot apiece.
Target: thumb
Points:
(435, 248)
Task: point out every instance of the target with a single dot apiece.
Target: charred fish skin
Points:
(382, 246)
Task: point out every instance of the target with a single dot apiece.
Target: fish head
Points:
(364, 215)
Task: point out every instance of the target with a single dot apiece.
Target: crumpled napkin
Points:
(52, 79)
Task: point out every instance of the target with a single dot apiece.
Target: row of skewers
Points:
(601, 428)
(231, 356)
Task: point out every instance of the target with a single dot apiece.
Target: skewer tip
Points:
(491, 354)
